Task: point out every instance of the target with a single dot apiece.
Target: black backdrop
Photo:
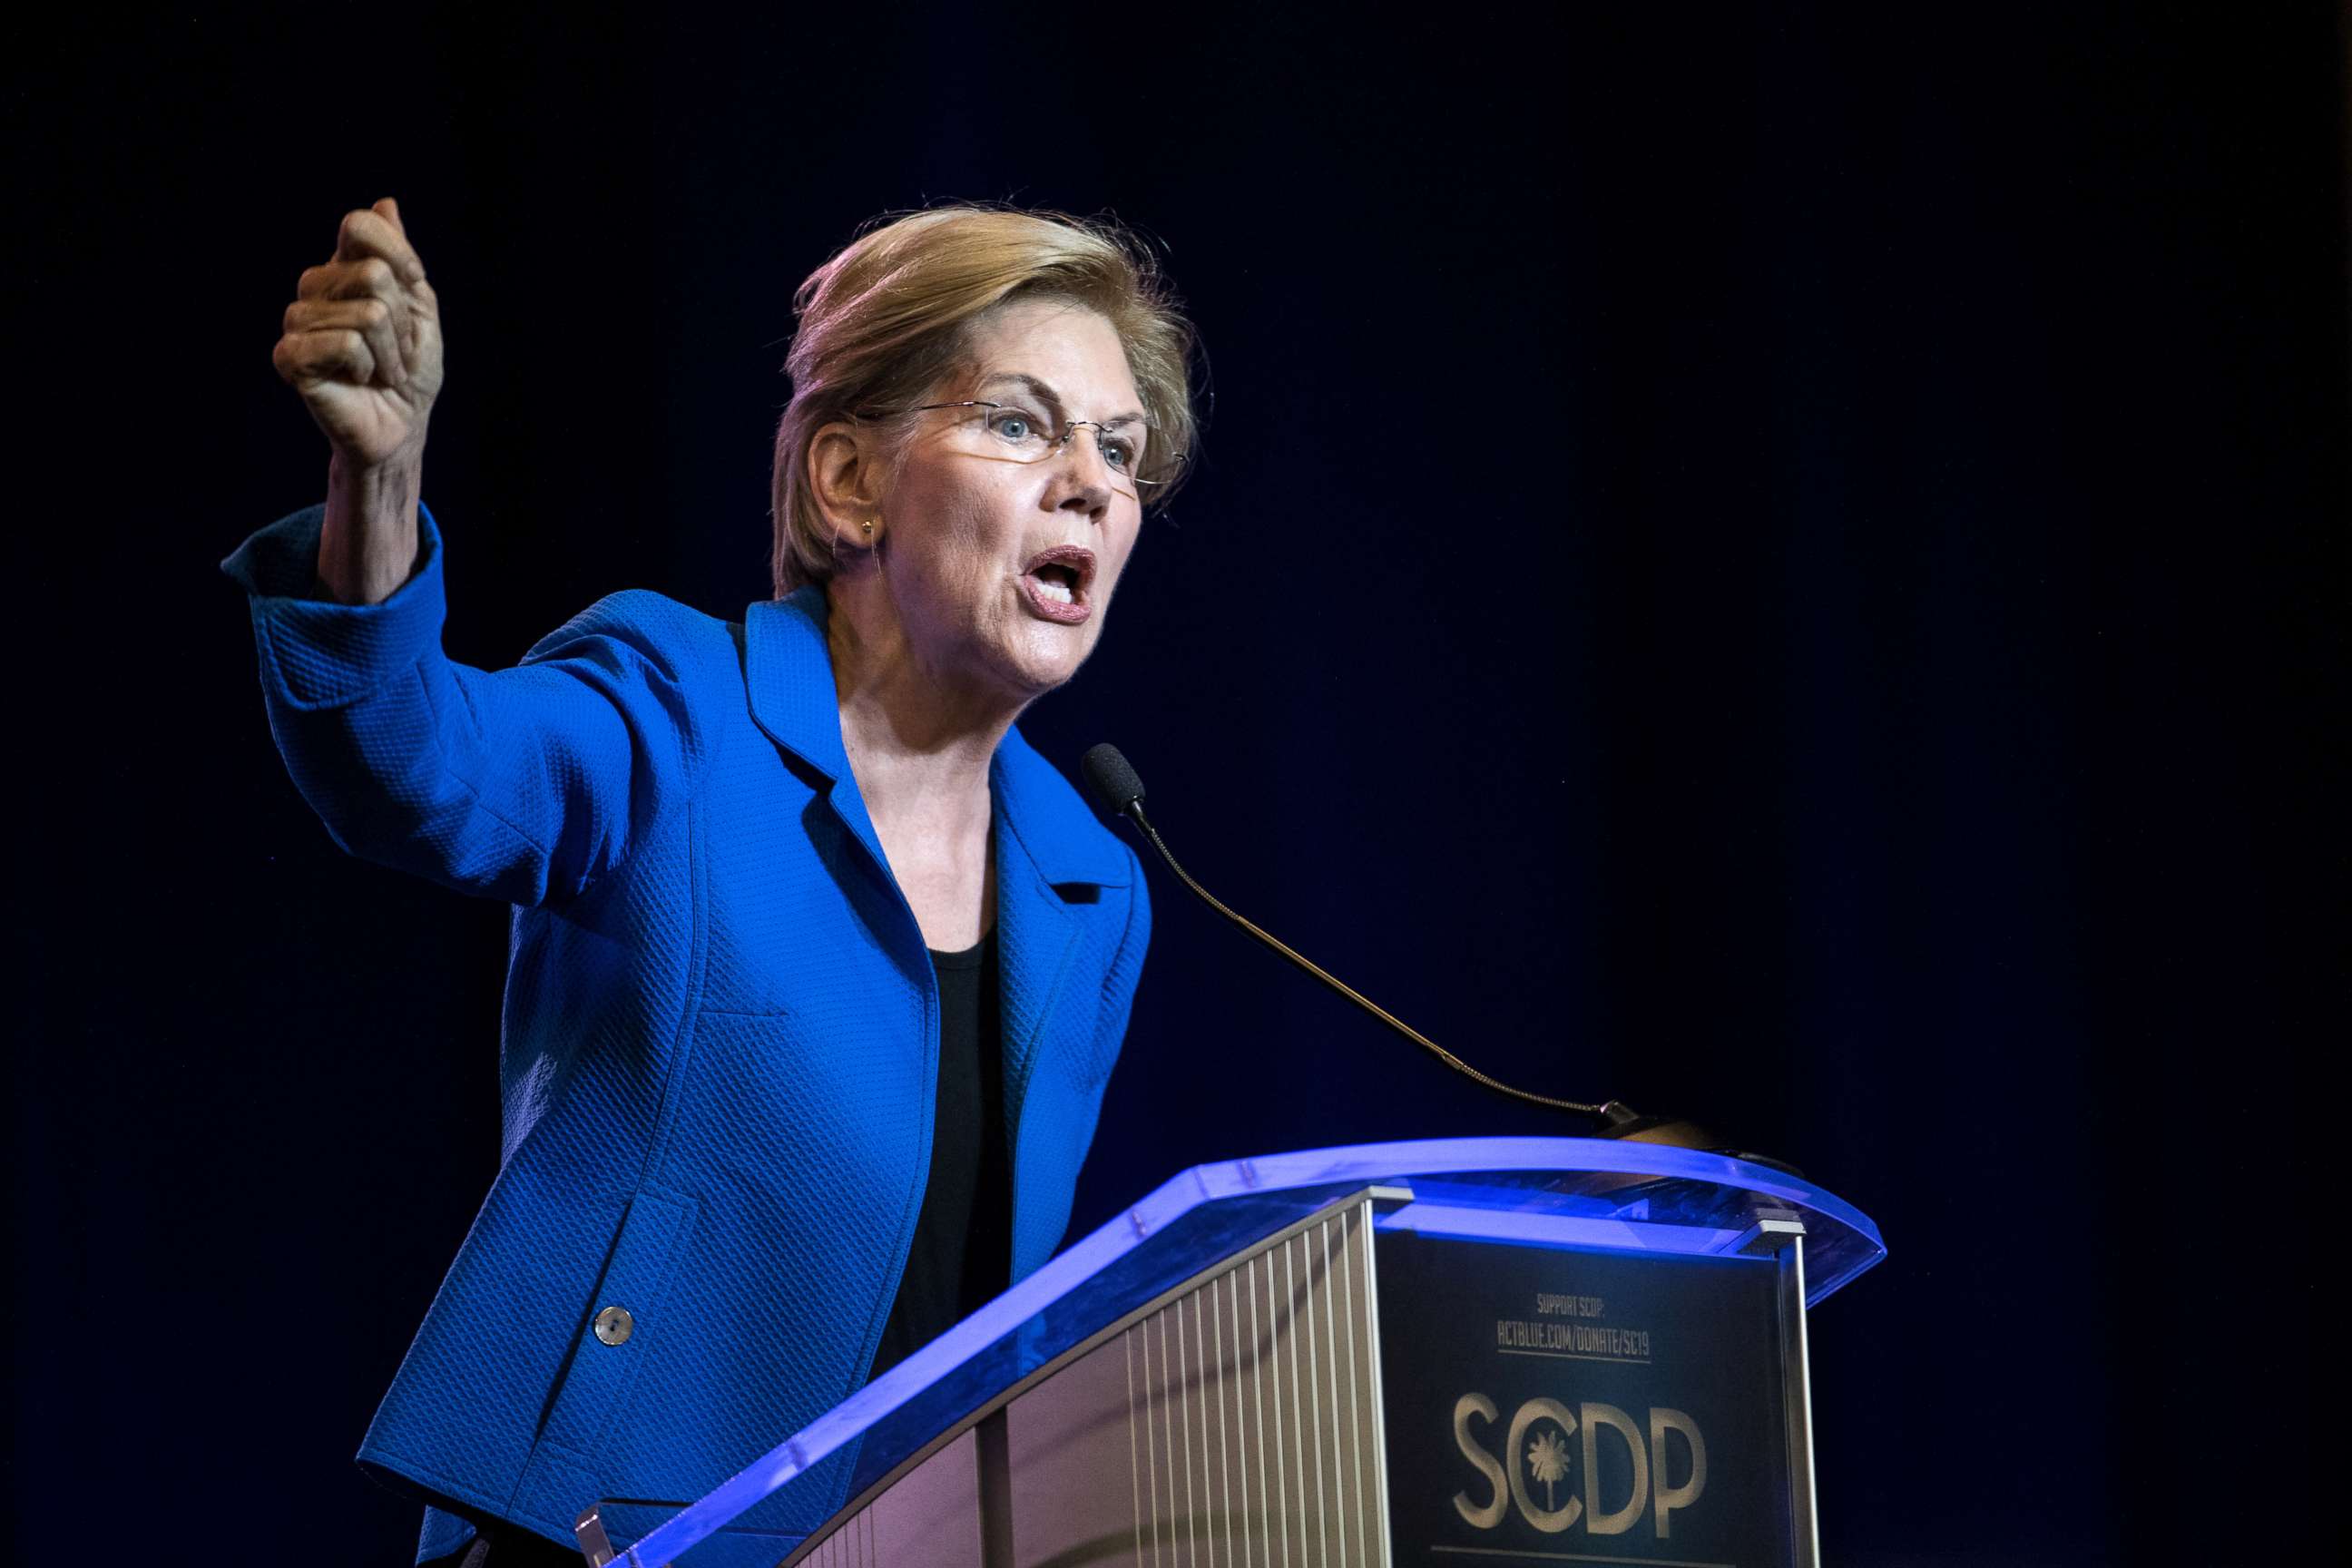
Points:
(1781, 564)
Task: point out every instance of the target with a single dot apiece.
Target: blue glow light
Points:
(1521, 1229)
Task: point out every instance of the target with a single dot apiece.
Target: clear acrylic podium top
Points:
(1619, 1195)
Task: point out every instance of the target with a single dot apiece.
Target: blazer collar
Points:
(788, 671)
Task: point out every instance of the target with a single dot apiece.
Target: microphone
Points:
(1113, 779)
(1116, 784)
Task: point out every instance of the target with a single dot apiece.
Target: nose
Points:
(1083, 481)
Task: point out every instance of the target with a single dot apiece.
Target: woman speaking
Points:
(818, 970)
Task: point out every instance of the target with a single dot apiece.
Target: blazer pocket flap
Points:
(619, 1327)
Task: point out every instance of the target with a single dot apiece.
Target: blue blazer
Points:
(720, 1043)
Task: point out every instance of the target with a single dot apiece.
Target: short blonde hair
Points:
(885, 323)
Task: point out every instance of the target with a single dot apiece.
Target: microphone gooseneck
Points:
(1116, 786)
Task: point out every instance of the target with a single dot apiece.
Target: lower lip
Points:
(1069, 614)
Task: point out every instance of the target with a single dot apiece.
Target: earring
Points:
(869, 526)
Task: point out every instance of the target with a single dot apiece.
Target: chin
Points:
(1043, 658)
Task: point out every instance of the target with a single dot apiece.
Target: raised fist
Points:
(362, 341)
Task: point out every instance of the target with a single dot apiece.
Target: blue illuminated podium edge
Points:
(1842, 1243)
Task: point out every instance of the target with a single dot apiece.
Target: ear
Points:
(845, 478)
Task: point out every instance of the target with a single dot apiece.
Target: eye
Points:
(1017, 427)
(1119, 453)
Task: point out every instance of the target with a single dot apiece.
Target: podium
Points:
(1466, 1352)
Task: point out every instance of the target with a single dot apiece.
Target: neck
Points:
(920, 739)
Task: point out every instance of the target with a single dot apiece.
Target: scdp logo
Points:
(1553, 1463)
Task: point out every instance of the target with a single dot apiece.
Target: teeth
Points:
(1053, 588)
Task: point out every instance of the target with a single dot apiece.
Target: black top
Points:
(964, 1236)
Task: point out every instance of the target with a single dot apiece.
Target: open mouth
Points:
(1056, 582)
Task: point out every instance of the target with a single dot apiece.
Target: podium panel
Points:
(1544, 1399)
(1474, 1351)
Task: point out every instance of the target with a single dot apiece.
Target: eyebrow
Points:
(1041, 390)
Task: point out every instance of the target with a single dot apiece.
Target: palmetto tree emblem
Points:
(1548, 1462)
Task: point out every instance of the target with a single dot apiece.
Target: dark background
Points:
(1783, 564)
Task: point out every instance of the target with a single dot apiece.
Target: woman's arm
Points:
(522, 785)
(369, 541)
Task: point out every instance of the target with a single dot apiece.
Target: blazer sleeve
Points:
(523, 785)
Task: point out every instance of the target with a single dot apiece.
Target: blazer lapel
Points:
(1046, 840)
(787, 669)
(1035, 934)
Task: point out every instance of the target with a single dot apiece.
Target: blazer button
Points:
(614, 1325)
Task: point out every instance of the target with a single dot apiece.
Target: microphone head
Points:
(1112, 780)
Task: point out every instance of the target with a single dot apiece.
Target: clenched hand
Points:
(362, 341)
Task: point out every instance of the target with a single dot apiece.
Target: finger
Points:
(350, 281)
(308, 358)
(420, 343)
(305, 359)
(391, 209)
(309, 315)
(379, 323)
(369, 232)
